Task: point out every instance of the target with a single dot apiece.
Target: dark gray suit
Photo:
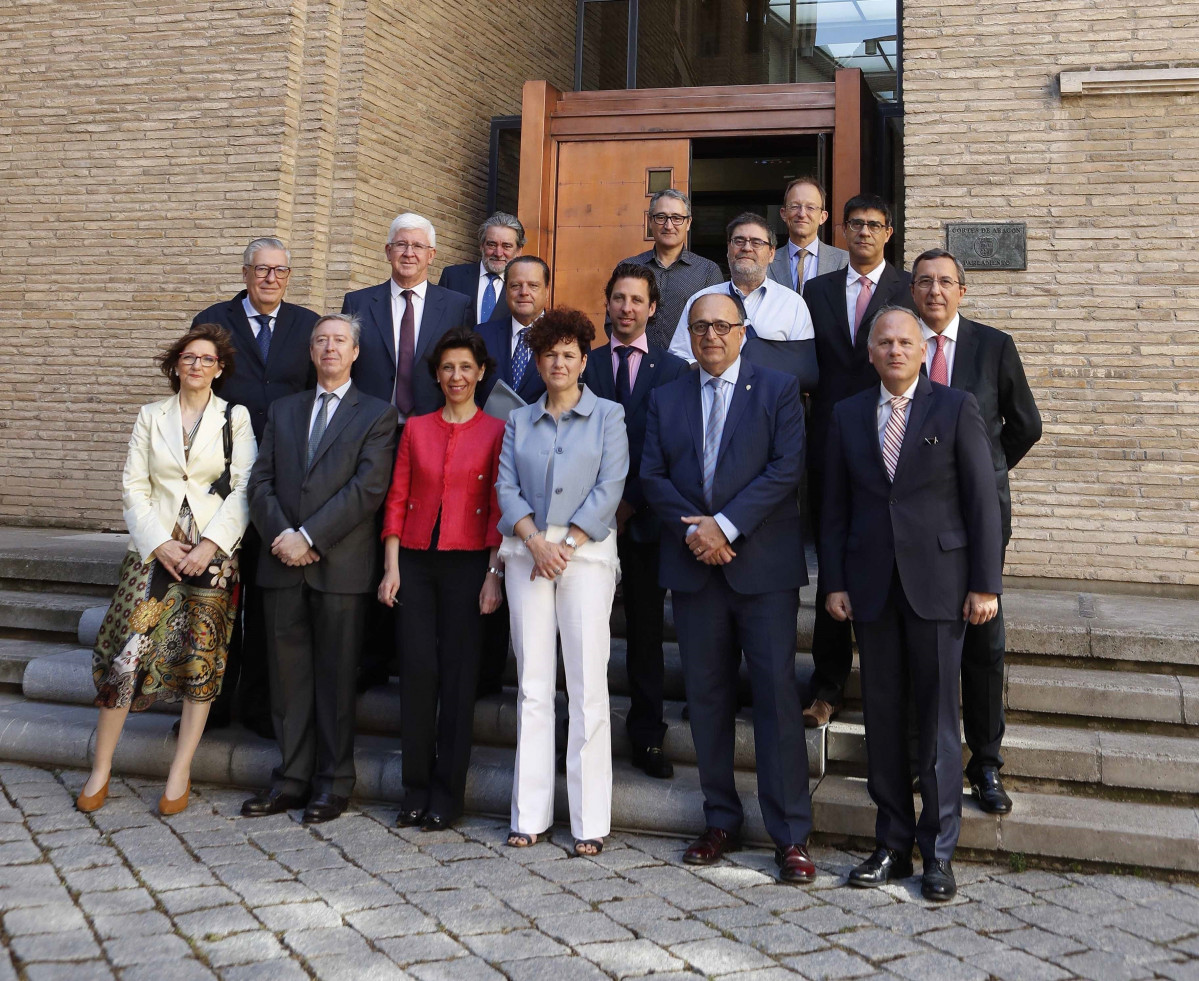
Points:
(315, 613)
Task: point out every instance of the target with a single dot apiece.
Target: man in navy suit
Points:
(626, 371)
(527, 286)
(501, 239)
(723, 456)
(842, 303)
(984, 362)
(270, 337)
(911, 553)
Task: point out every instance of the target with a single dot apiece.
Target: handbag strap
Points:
(227, 435)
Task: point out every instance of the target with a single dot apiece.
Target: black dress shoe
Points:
(938, 883)
(988, 791)
(435, 822)
(325, 807)
(881, 867)
(271, 802)
(410, 817)
(653, 761)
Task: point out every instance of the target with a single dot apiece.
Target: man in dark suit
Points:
(983, 361)
(804, 257)
(501, 239)
(527, 285)
(271, 341)
(626, 371)
(842, 304)
(724, 451)
(911, 552)
(321, 474)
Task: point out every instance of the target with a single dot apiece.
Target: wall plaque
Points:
(987, 245)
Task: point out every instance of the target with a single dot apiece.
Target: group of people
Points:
(383, 511)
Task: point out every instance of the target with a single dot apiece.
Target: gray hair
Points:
(411, 220)
(349, 319)
(892, 308)
(247, 257)
(932, 254)
(674, 195)
(501, 219)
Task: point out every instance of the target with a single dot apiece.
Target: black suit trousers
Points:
(644, 608)
(246, 668)
(832, 640)
(715, 625)
(982, 692)
(440, 636)
(902, 653)
(313, 639)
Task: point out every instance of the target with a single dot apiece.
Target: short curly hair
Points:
(217, 336)
(560, 324)
(465, 338)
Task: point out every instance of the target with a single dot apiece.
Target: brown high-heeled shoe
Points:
(96, 801)
(168, 807)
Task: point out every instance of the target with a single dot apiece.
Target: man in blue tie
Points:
(527, 289)
(501, 239)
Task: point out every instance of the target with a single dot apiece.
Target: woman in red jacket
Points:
(440, 557)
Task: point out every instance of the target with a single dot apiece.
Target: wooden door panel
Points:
(600, 207)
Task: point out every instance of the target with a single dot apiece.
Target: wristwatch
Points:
(570, 541)
(498, 573)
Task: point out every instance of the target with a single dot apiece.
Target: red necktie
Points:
(940, 370)
(405, 355)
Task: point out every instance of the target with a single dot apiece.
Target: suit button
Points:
(185, 478)
(559, 449)
(893, 503)
(480, 476)
(411, 506)
(478, 510)
(557, 490)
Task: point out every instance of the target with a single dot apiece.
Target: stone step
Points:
(1103, 694)
(16, 653)
(1110, 761)
(53, 555)
(56, 613)
(1061, 827)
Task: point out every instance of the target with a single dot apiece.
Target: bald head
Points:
(710, 314)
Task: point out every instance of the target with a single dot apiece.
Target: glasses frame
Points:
(205, 360)
(712, 325)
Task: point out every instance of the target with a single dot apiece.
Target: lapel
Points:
(241, 325)
(380, 311)
(283, 327)
(303, 411)
(430, 320)
(964, 357)
(780, 267)
(826, 259)
(605, 381)
(740, 399)
(211, 424)
(170, 430)
(695, 408)
(922, 401)
(646, 375)
(834, 296)
(341, 418)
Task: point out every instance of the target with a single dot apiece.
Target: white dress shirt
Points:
(950, 333)
(517, 327)
(485, 283)
(706, 395)
(776, 311)
(884, 407)
(809, 268)
(251, 313)
(339, 393)
(397, 312)
(853, 287)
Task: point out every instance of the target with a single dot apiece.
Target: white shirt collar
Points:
(884, 397)
(950, 333)
(874, 275)
(419, 289)
(517, 326)
(730, 375)
(484, 272)
(251, 313)
(340, 391)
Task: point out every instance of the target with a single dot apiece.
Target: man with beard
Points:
(501, 239)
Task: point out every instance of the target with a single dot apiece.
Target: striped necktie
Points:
(712, 433)
(893, 433)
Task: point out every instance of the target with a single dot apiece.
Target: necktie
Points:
(859, 311)
(487, 305)
(264, 334)
(520, 358)
(318, 427)
(624, 387)
(940, 369)
(405, 355)
(712, 434)
(801, 265)
(893, 433)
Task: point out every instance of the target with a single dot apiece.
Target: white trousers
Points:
(577, 606)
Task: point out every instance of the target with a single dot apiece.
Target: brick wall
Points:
(142, 145)
(1105, 315)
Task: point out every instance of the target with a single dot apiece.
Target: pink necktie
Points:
(893, 433)
(940, 370)
(859, 311)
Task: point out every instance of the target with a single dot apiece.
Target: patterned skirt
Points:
(163, 639)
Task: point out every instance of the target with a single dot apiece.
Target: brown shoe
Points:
(95, 801)
(795, 864)
(168, 807)
(710, 847)
(818, 714)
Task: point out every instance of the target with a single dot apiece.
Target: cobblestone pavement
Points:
(207, 894)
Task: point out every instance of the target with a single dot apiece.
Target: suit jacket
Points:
(375, 370)
(288, 367)
(464, 278)
(334, 500)
(829, 259)
(658, 368)
(497, 335)
(987, 365)
(158, 477)
(845, 368)
(937, 522)
(758, 469)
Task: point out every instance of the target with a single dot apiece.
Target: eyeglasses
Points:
(416, 248)
(857, 224)
(207, 360)
(720, 327)
(281, 272)
(925, 283)
(808, 209)
(757, 244)
(661, 218)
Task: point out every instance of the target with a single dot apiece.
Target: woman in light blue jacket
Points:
(562, 472)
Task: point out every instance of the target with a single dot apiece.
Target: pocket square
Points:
(931, 440)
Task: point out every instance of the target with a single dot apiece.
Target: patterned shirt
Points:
(678, 282)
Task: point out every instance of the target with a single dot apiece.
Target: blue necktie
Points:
(624, 387)
(520, 358)
(264, 334)
(487, 306)
(715, 429)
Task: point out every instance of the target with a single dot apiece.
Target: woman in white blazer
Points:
(166, 633)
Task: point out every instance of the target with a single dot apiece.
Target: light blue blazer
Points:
(567, 472)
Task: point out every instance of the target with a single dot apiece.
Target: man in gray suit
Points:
(805, 256)
(322, 473)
